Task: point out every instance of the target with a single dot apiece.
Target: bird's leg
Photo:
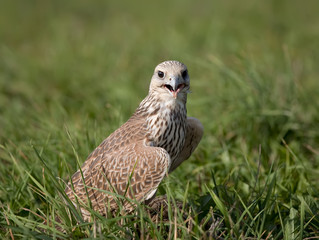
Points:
(194, 134)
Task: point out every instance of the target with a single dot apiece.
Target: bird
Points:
(135, 158)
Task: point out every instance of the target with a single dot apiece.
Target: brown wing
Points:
(143, 166)
(133, 130)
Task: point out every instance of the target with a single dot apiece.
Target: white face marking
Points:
(170, 81)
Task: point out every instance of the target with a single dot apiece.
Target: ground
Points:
(72, 72)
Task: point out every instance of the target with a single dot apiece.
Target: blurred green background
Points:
(83, 67)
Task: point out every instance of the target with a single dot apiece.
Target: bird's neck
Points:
(153, 106)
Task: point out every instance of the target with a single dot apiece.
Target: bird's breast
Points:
(167, 129)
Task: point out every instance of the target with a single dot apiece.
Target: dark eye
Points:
(160, 74)
(184, 74)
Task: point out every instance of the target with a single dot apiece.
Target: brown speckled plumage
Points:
(154, 141)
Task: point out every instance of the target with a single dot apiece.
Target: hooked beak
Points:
(174, 86)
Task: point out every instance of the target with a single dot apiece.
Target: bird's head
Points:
(170, 81)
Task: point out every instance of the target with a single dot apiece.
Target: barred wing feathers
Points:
(121, 158)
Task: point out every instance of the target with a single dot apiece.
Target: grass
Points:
(72, 72)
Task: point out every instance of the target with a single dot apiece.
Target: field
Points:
(71, 72)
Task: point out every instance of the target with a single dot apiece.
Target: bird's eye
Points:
(184, 74)
(160, 74)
